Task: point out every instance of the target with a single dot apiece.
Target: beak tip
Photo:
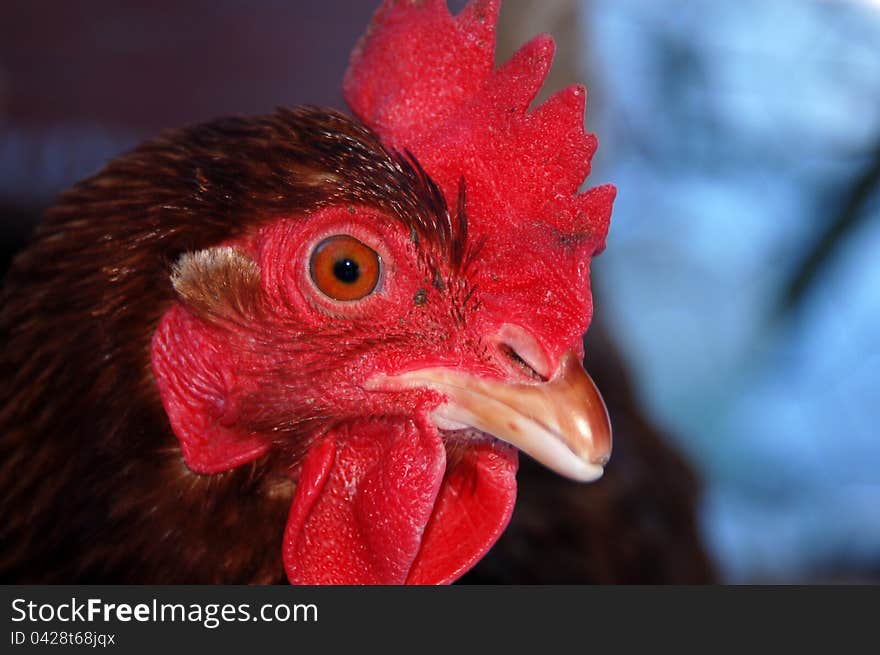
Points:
(580, 470)
(595, 473)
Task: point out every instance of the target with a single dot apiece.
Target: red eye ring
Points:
(345, 269)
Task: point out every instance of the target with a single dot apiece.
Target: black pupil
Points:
(346, 270)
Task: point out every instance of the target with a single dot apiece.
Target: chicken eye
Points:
(343, 268)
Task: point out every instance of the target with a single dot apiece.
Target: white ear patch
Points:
(221, 282)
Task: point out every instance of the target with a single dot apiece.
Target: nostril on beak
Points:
(519, 363)
(521, 353)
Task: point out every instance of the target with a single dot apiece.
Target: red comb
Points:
(425, 80)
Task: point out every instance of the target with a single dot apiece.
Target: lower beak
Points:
(562, 423)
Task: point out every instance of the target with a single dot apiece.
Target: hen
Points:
(307, 343)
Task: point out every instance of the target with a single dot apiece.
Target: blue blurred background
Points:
(742, 275)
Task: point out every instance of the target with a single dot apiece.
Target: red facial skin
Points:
(382, 497)
(293, 375)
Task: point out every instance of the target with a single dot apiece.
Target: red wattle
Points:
(472, 510)
(365, 494)
(373, 506)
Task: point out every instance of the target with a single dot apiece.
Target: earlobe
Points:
(196, 399)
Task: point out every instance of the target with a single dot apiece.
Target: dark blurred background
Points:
(741, 284)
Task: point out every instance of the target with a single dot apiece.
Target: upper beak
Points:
(562, 423)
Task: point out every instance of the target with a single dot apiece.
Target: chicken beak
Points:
(562, 423)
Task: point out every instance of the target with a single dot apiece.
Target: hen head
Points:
(392, 345)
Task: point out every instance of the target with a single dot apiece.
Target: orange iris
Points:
(343, 268)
